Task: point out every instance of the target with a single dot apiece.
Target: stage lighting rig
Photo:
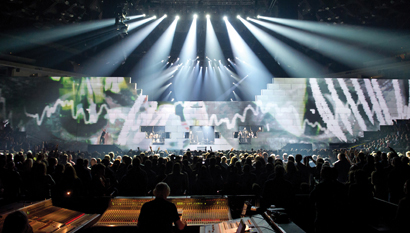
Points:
(121, 13)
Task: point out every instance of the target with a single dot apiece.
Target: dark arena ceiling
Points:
(20, 19)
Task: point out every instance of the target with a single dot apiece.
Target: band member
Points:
(245, 135)
(102, 138)
(257, 132)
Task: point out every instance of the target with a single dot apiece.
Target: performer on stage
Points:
(102, 138)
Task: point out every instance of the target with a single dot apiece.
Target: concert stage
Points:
(103, 148)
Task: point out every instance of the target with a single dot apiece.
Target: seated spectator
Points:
(278, 191)
(177, 181)
(40, 182)
(16, 222)
(403, 210)
(342, 166)
(360, 196)
(70, 186)
(379, 181)
(247, 179)
(99, 185)
(159, 214)
(135, 182)
(330, 200)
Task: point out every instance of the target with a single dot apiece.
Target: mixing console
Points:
(44, 217)
(195, 211)
(254, 224)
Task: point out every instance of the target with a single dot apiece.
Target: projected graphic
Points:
(74, 111)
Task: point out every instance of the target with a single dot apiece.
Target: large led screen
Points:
(74, 111)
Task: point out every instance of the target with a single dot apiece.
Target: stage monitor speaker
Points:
(217, 134)
(186, 134)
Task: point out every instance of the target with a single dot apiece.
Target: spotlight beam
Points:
(295, 63)
(258, 74)
(186, 78)
(344, 53)
(146, 69)
(21, 41)
(134, 17)
(112, 57)
(212, 46)
(375, 37)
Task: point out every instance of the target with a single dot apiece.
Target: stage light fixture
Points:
(155, 16)
(258, 16)
(208, 16)
(177, 17)
(165, 15)
(238, 16)
(225, 18)
(248, 18)
(195, 16)
(143, 15)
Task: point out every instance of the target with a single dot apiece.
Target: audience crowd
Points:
(337, 182)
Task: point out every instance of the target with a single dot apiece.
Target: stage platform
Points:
(103, 148)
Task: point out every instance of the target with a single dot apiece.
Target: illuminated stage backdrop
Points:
(317, 111)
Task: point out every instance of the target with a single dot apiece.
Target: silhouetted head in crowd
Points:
(341, 157)
(106, 162)
(126, 160)
(80, 162)
(85, 162)
(361, 156)
(247, 168)
(3, 161)
(40, 169)
(279, 171)
(16, 222)
(269, 168)
(360, 176)
(396, 162)
(238, 166)
(298, 158)
(162, 190)
(391, 155)
(69, 172)
(176, 168)
(327, 173)
(136, 162)
(98, 170)
(270, 159)
(278, 162)
(111, 154)
(370, 159)
(290, 167)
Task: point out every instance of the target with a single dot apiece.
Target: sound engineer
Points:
(159, 214)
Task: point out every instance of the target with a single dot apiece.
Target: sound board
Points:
(195, 211)
(44, 217)
(255, 224)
